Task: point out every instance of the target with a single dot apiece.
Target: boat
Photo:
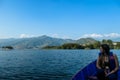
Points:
(88, 72)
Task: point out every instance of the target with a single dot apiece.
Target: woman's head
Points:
(104, 48)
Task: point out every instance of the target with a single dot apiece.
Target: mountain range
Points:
(42, 41)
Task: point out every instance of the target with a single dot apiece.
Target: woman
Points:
(107, 64)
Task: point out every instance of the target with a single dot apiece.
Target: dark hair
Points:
(106, 48)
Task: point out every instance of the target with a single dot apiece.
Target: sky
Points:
(71, 19)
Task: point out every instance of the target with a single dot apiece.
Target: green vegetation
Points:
(71, 46)
(65, 46)
(95, 45)
(7, 47)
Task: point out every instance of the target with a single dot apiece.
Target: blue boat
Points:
(88, 72)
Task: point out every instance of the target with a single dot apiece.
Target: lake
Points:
(44, 64)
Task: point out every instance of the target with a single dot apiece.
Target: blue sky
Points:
(60, 18)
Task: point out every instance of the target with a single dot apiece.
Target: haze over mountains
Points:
(42, 41)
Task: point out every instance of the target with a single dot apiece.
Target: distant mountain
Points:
(42, 41)
(86, 40)
(116, 39)
(6, 40)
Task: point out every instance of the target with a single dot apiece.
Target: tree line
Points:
(7, 47)
(96, 45)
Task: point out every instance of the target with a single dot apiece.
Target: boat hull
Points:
(88, 72)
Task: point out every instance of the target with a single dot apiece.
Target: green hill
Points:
(42, 41)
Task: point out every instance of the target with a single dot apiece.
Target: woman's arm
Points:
(97, 64)
(116, 64)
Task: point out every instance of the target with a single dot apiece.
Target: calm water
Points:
(44, 64)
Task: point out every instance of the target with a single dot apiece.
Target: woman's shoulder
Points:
(99, 53)
(114, 55)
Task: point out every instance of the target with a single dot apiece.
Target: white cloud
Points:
(59, 36)
(26, 36)
(55, 35)
(112, 35)
(94, 35)
(51, 35)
